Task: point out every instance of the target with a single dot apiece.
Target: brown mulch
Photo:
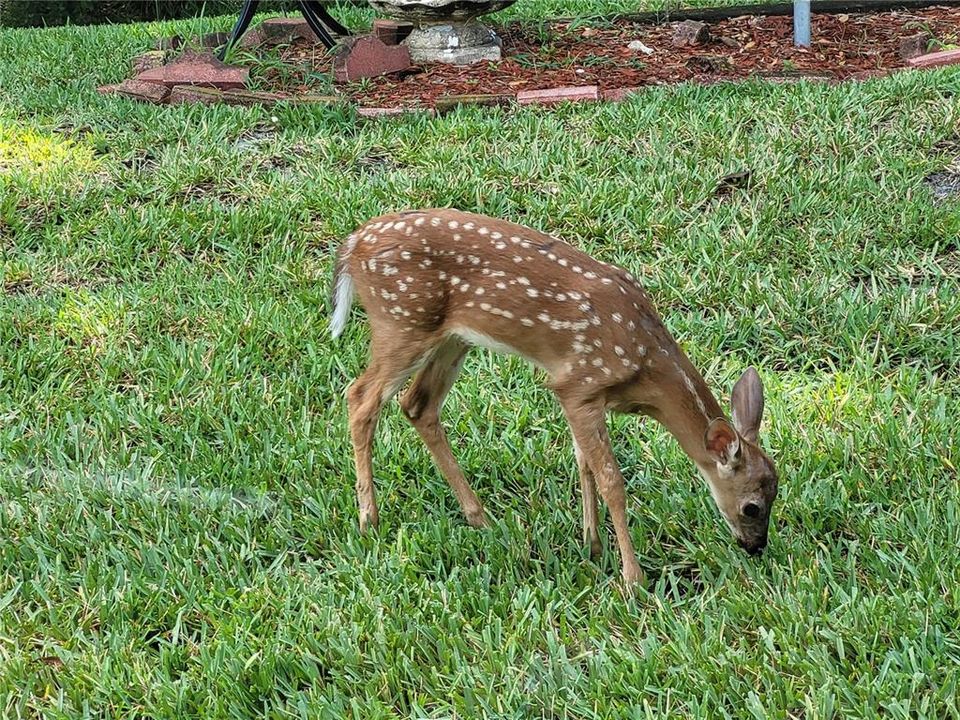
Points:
(561, 53)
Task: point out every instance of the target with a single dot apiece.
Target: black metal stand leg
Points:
(316, 24)
(326, 18)
(243, 22)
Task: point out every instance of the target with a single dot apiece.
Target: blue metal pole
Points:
(801, 23)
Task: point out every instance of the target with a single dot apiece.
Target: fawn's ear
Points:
(747, 404)
(723, 442)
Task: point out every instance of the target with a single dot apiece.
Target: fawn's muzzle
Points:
(753, 548)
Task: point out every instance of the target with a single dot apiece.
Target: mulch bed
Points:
(566, 54)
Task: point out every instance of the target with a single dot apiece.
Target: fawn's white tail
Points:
(342, 289)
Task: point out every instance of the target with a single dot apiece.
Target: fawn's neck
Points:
(686, 407)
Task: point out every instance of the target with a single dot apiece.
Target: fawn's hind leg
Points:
(421, 404)
(389, 368)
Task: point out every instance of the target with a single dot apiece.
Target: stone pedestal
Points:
(446, 30)
(455, 43)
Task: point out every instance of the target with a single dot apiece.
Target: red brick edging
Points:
(163, 91)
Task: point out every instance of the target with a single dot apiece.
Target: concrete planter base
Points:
(458, 43)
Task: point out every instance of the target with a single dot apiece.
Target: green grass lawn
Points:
(177, 517)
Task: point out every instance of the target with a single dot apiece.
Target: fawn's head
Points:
(743, 480)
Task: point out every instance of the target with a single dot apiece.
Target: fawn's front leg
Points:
(589, 428)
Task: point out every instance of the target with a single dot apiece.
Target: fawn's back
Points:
(437, 273)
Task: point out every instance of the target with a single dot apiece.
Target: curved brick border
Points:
(199, 78)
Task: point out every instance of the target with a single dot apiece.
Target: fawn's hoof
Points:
(596, 550)
(368, 522)
(633, 577)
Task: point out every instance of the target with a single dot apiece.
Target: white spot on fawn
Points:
(533, 293)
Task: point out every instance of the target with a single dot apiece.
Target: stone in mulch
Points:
(638, 46)
(915, 45)
(367, 57)
(201, 70)
(690, 32)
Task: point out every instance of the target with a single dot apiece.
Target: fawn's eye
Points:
(751, 510)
